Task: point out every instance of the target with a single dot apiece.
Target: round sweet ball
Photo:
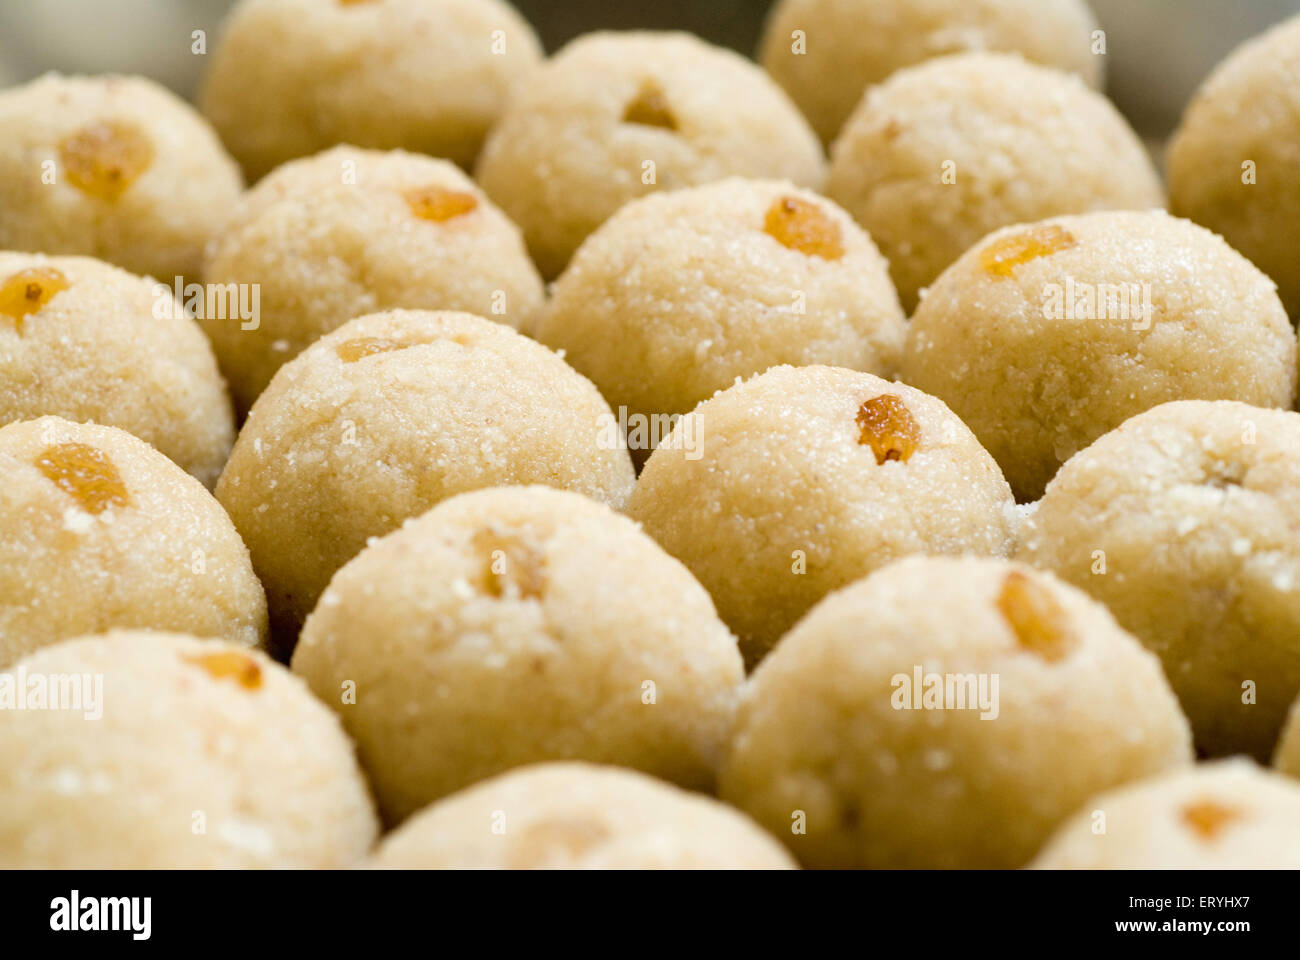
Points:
(1234, 163)
(111, 167)
(1046, 336)
(1229, 815)
(679, 293)
(1181, 522)
(577, 816)
(86, 341)
(139, 750)
(387, 416)
(614, 116)
(99, 530)
(349, 232)
(944, 153)
(825, 53)
(291, 77)
(801, 480)
(946, 713)
(520, 624)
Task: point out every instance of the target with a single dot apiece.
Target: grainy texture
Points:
(291, 77)
(1183, 521)
(1234, 163)
(516, 625)
(1020, 339)
(946, 152)
(139, 178)
(784, 497)
(100, 349)
(849, 45)
(679, 293)
(1229, 815)
(99, 530)
(565, 155)
(575, 816)
(340, 450)
(205, 755)
(349, 232)
(820, 729)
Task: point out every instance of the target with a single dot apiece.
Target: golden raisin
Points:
(105, 158)
(511, 566)
(1038, 621)
(889, 428)
(650, 108)
(28, 291)
(1003, 256)
(438, 204)
(229, 665)
(350, 351)
(1208, 818)
(85, 474)
(557, 839)
(804, 227)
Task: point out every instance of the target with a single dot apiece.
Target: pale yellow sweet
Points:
(388, 415)
(349, 232)
(1049, 702)
(679, 293)
(576, 816)
(111, 167)
(86, 341)
(1286, 758)
(1229, 815)
(181, 753)
(99, 530)
(516, 625)
(1234, 163)
(825, 53)
(1046, 336)
(1183, 523)
(291, 77)
(801, 480)
(614, 116)
(943, 153)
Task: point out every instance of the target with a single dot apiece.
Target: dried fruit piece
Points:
(805, 227)
(1038, 621)
(557, 838)
(350, 351)
(650, 108)
(889, 428)
(105, 158)
(512, 568)
(1208, 817)
(438, 204)
(1003, 256)
(28, 291)
(229, 665)
(85, 474)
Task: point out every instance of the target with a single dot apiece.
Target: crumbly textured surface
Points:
(515, 625)
(387, 416)
(291, 77)
(140, 179)
(1020, 339)
(576, 143)
(206, 755)
(1183, 522)
(844, 46)
(944, 153)
(801, 480)
(1233, 163)
(576, 816)
(80, 339)
(679, 293)
(349, 232)
(1229, 815)
(99, 530)
(1079, 707)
